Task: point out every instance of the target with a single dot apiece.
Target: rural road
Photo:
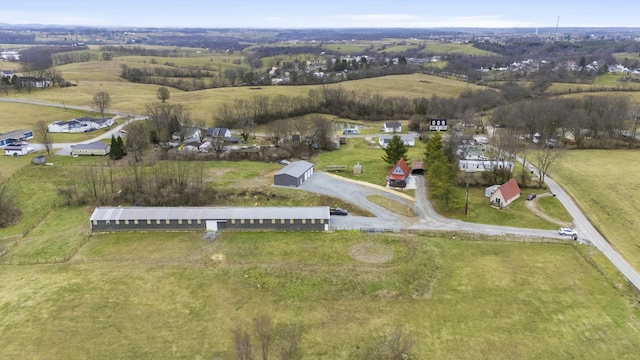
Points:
(427, 219)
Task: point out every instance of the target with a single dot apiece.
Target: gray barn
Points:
(293, 174)
(302, 218)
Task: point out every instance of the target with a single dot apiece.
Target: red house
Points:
(398, 175)
(506, 194)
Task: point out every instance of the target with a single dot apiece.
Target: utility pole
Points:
(466, 201)
(557, 23)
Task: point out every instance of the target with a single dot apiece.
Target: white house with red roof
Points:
(398, 175)
(505, 194)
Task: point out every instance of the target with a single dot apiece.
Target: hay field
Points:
(604, 183)
(175, 295)
(132, 97)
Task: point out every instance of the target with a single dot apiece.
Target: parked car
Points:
(567, 231)
(284, 162)
(531, 196)
(338, 211)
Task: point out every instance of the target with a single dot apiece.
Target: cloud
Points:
(415, 21)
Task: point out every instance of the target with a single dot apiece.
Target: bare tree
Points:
(246, 126)
(396, 345)
(9, 210)
(136, 141)
(278, 130)
(242, 343)
(545, 158)
(101, 101)
(290, 337)
(43, 135)
(163, 94)
(264, 331)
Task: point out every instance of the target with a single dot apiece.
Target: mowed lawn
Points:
(176, 295)
(604, 183)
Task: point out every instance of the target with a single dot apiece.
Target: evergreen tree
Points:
(121, 146)
(432, 150)
(114, 153)
(395, 150)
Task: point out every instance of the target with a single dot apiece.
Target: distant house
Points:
(391, 126)
(350, 132)
(218, 132)
(35, 82)
(94, 148)
(8, 74)
(17, 150)
(293, 174)
(398, 175)
(83, 124)
(505, 194)
(190, 135)
(408, 140)
(15, 136)
(483, 165)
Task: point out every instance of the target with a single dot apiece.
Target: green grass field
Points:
(175, 295)
(22, 116)
(605, 186)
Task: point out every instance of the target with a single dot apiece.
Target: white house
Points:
(190, 135)
(409, 140)
(483, 165)
(7, 74)
(391, 126)
(218, 132)
(83, 124)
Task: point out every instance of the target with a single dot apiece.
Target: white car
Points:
(567, 231)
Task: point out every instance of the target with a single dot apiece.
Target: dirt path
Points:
(533, 206)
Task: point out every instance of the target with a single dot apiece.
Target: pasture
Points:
(604, 184)
(23, 116)
(171, 295)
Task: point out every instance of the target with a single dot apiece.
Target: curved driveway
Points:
(357, 192)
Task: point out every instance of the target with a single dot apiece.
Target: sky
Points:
(321, 13)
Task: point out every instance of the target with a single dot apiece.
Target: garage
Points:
(294, 174)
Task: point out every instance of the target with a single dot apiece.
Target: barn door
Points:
(212, 225)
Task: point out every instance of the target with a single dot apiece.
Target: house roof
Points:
(296, 168)
(211, 213)
(417, 165)
(510, 189)
(402, 165)
(16, 134)
(215, 131)
(392, 124)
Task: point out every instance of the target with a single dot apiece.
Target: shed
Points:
(293, 174)
(292, 218)
(39, 160)
(506, 194)
(94, 148)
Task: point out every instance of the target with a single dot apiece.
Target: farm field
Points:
(23, 116)
(171, 295)
(132, 98)
(607, 194)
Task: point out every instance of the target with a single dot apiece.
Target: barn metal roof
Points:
(96, 145)
(211, 213)
(296, 168)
